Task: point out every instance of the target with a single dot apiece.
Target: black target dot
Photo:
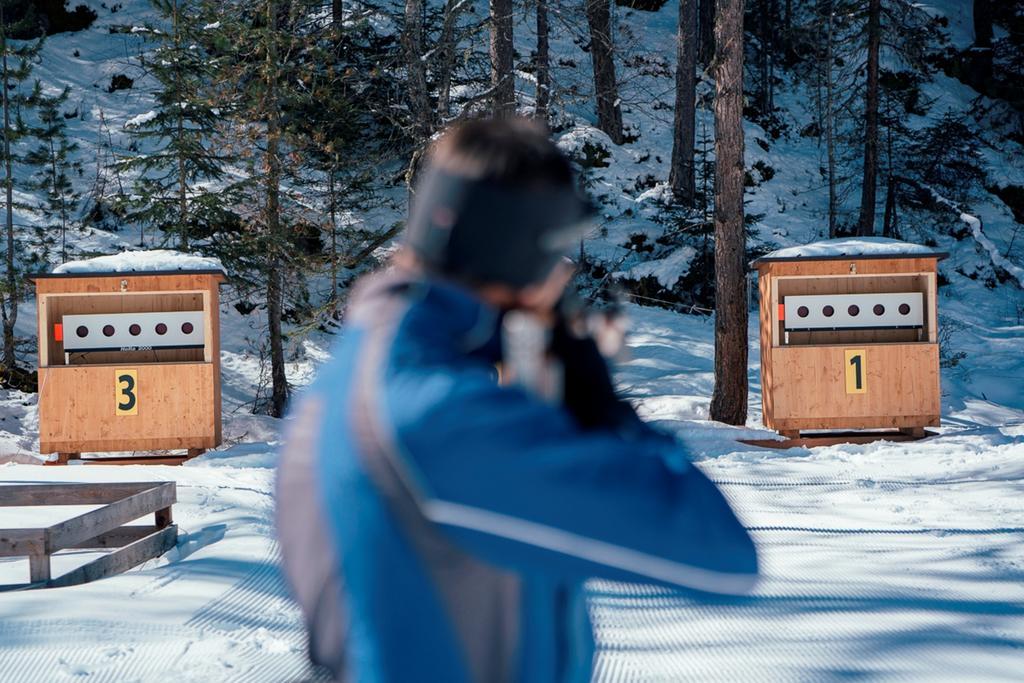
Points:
(161, 328)
(904, 309)
(803, 312)
(853, 310)
(828, 311)
(134, 330)
(82, 331)
(879, 309)
(186, 328)
(108, 330)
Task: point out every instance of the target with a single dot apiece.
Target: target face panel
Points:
(850, 311)
(133, 331)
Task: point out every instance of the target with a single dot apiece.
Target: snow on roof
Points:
(850, 246)
(141, 262)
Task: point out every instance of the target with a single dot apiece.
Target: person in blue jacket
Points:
(439, 525)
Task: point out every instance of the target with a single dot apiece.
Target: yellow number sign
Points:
(856, 371)
(126, 387)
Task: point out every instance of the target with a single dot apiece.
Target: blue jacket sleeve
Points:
(520, 484)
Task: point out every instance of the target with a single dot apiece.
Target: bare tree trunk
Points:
(706, 39)
(412, 44)
(332, 196)
(681, 175)
(10, 297)
(981, 52)
(503, 93)
(275, 266)
(729, 400)
(609, 112)
(764, 55)
(542, 67)
(830, 143)
(337, 12)
(866, 224)
(446, 57)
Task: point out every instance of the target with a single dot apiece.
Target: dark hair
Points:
(515, 152)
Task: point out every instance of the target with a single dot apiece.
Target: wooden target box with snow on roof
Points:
(849, 337)
(129, 355)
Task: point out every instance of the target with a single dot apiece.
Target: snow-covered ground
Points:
(885, 561)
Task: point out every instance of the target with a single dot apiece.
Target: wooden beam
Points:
(95, 522)
(24, 495)
(18, 542)
(38, 567)
(146, 548)
(121, 536)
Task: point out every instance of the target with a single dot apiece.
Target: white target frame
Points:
(903, 310)
(134, 331)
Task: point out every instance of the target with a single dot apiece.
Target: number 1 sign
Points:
(856, 371)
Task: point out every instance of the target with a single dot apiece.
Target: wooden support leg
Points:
(38, 568)
(195, 452)
(789, 433)
(62, 458)
(163, 518)
(914, 432)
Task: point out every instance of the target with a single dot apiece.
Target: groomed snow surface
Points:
(886, 561)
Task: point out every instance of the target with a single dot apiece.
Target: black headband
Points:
(490, 232)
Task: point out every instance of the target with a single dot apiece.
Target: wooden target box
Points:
(129, 361)
(849, 342)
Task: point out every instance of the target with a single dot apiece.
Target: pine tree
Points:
(16, 61)
(51, 157)
(177, 137)
(503, 94)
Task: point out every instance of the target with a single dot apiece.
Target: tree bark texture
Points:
(412, 45)
(275, 238)
(11, 296)
(869, 186)
(609, 112)
(981, 54)
(446, 57)
(503, 94)
(681, 174)
(729, 399)
(542, 66)
(706, 28)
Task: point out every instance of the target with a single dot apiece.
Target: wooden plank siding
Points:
(803, 377)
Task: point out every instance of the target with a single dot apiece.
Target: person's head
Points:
(496, 209)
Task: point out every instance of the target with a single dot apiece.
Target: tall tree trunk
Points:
(503, 92)
(729, 399)
(866, 223)
(542, 66)
(706, 38)
(10, 297)
(446, 57)
(180, 131)
(609, 112)
(681, 175)
(275, 238)
(830, 142)
(764, 55)
(981, 51)
(412, 44)
(337, 12)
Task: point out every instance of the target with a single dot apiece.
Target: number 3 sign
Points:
(856, 371)
(126, 385)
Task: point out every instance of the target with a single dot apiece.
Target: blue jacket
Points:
(436, 526)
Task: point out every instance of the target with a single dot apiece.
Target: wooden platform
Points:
(815, 439)
(149, 459)
(101, 528)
